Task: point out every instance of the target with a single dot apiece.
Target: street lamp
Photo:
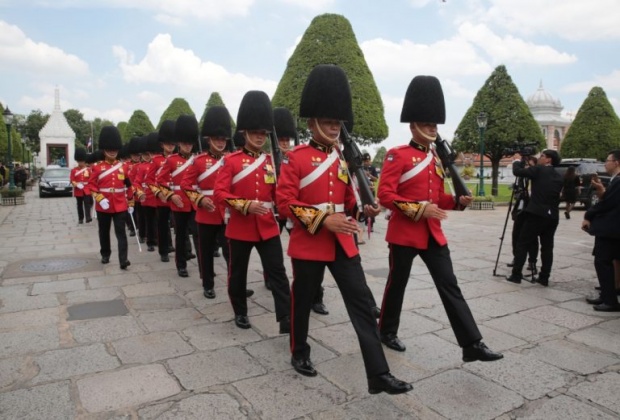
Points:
(482, 124)
(8, 120)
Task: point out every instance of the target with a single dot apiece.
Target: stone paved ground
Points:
(82, 340)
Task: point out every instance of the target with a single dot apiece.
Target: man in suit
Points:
(541, 214)
(603, 222)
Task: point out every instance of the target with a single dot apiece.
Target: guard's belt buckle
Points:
(111, 190)
(329, 208)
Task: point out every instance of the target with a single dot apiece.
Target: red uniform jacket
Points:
(407, 200)
(151, 178)
(80, 175)
(199, 182)
(258, 185)
(169, 179)
(306, 206)
(111, 186)
(141, 187)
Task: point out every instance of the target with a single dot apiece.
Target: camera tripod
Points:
(518, 201)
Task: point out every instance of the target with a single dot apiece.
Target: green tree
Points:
(377, 161)
(122, 129)
(33, 125)
(330, 40)
(139, 125)
(177, 107)
(595, 130)
(97, 124)
(80, 127)
(509, 120)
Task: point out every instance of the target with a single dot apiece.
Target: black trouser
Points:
(129, 223)
(208, 241)
(272, 259)
(351, 281)
(163, 229)
(84, 206)
(532, 251)
(105, 221)
(149, 217)
(535, 227)
(439, 264)
(139, 218)
(605, 251)
(183, 223)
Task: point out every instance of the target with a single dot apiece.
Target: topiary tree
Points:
(509, 120)
(177, 107)
(595, 130)
(330, 40)
(122, 128)
(216, 100)
(377, 161)
(138, 125)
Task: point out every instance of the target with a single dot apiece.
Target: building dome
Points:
(542, 99)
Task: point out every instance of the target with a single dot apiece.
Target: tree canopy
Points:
(79, 125)
(330, 40)
(138, 125)
(177, 107)
(595, 130)
(377, 161)
(509, 120)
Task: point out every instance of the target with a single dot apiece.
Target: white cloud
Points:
(310, 4)
(574, 20)
(609, 82)
(509, 49)
(20, 53)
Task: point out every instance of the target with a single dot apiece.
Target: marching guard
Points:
(80, 176)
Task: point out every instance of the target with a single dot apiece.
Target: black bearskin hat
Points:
(80, 154)
(124, 152)
(132, 146)
(284, 123)
(90, 158)
(186, 129)
(98, 156)
(217, 123)
(255, 112)
(110, 138)
(239, 140)
(139, 146)
(326, 94)
(152, 143)
(166, 132)
(424, 101)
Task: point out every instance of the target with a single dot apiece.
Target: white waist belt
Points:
(112, 190)
(175, 187)
(267, 205)
(330, 207)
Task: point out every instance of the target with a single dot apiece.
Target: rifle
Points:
(276, 153)
(353, 157)
(447, 157)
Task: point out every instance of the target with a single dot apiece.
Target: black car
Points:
(54, 182)
(584, 169)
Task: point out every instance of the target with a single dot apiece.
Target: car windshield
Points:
(56, 173)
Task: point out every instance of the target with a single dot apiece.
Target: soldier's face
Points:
(255, 139)
(146, 157)
(185, 148)
(325, 131)
(168, 147)
(110, 154)
(218, 144)
(284, 143)
(423, 133)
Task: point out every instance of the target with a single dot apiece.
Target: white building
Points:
(547, 111)
(57, 139)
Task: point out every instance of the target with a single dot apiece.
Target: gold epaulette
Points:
(412, 209)
(240, 204)
(311, 217)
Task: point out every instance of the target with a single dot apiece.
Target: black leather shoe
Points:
(303, 366)
(142, 240)
(376, 312)
(170, 249)
(132, 233)
(249, 292)
(125, 264)
(285, 325)
(532, 267)
(216, 253)
(81, 222)
(392, 341)
(387, 383)
(105, 260)
(514, 278)
(511, 263)
(164, 258)
(543, 281)
(242, 322)
(182, 272)
(479, 351)
(594, 301)
(267, 285)
(190, 257)
(320, 308)
(209, 293)
(150, 248)
(603, 307)
(89, 220)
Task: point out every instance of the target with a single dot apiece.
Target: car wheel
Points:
(40, 193)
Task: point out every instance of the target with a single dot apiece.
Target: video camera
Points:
(524, 149)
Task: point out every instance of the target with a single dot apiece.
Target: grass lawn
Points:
(503, 193)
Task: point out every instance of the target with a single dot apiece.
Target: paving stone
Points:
(525, 327)
(561, 317)
(207, 368)
(274, 353)
(287, 395)
(551, 293)
(412, 324)
(150, 348)
(458, 394)
(103, 330)
(24, 342)
(148, 289)
(611, 326)
(485, 307)
(520, 298)
(602, 390)
(172, 319)
(199, 407)
(109, 280)
(367, 408)
(495, 340)
(97, 295)
(526, 375)
(27, 303)
(29, 319)
(67, 363)
(58, 286)
(48, 402)
(219, 335)
(341, 338)
(599, 338)
(429, 354)
(125, 388)
(570, 356)
(155, 303)
(91, 310)
(566, 408)
(14, 370)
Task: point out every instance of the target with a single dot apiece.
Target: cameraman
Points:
(541, 214)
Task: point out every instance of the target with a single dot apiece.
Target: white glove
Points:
(80, 186)
(105, 204)
(130, 210)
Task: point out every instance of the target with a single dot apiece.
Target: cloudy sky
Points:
(111, 57)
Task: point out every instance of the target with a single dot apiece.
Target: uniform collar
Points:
(250, 153)
(418, 146)
(321, 147)
(213, 155)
